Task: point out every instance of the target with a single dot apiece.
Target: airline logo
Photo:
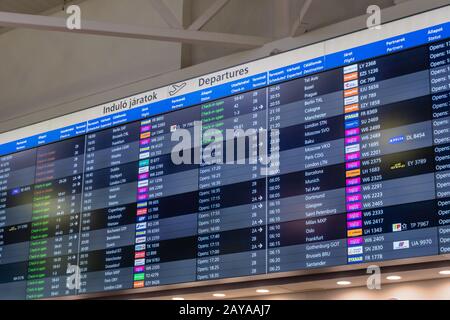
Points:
(354, 215)
(141, 233)
(354, 198)
(351, 84)
(142, 197)
(352, 124)
(354, 206)
(352, 116)
(146, 122)
(140, 219)
(353, 251)
(353, 173)
(354, 233)
(353, 182)
(139, 247)
(355, 259)
(351, 69)
(351, 92)
(353, 156)
(351, 77)
(354, 224)
(142, 212)
(401, 245)
(355, 241)
(139, 277)
(398, 165)
(140, 240)
(353, 165)
(396, 140)
(141, 226)
(139, 255)
(139, 269)
(352, 132)
(352, 108)
(353, 190)
(352, 148)
(173, 128)
(143, 190)
(143, 176)
(142, 205)
(144, 155)
(139, 262)
(397, 227)
(352, 140)
(144, 169)
(143, 183)
(351, 100)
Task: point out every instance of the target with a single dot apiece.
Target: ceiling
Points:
(272, 19)
(29, 6)
(266, 18)
(263, 11)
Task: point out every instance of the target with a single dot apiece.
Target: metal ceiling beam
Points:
(17, 20)
(166, 13)
(281, 11)
(208, 14)
(295, 31)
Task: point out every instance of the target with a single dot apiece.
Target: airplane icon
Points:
(176, 88)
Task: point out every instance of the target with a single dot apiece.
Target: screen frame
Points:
(274, 278)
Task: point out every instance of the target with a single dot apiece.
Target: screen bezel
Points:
(271, 277)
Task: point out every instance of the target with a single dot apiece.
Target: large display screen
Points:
(363, 172)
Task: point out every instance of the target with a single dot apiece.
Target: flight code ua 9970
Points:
(226, 310)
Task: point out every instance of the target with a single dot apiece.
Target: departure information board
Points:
(364, 174)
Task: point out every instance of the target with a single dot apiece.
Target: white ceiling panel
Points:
(29, 6)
